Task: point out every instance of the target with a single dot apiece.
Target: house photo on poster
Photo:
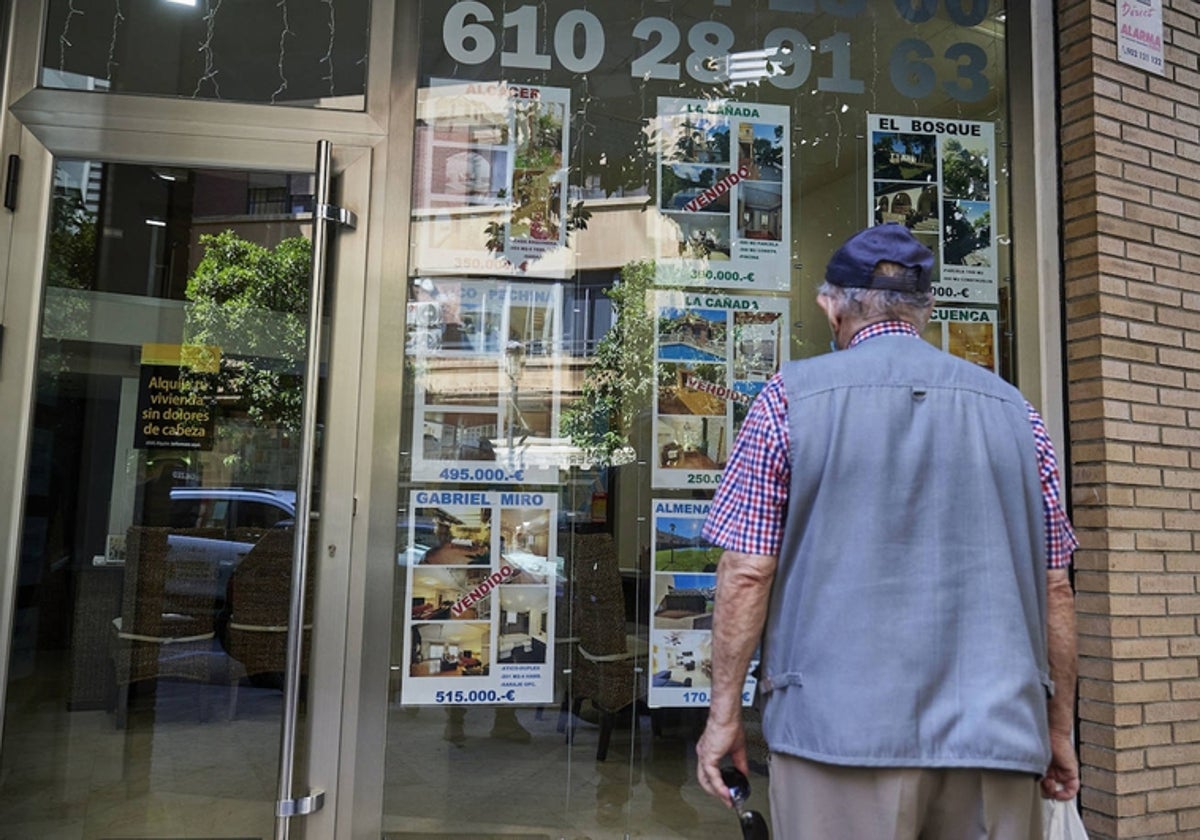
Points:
(723, 185)
(490, 179)
(681, 597)
(485, 358)
(970, 333)
(935, 177)
(713, 354)
(481, 570)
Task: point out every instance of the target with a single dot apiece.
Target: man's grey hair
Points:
(880, 304)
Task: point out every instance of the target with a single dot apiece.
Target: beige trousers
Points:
(814, 801)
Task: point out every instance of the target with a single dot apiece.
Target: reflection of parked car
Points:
(233, 520)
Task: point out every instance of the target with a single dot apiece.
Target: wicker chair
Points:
(168, 614)
(259, 601)
(606, 669)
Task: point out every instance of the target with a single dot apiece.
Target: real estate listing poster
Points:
(485, 363)
(969, 332)
(681, 596)
(490, 191)
(723, 186)
(936, 177)
(713, 354)
(481, 572)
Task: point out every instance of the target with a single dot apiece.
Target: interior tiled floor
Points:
(183, 769)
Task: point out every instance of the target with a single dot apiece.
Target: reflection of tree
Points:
(540, 137)
(254, 301)
(620, 381)
(671, 183)
(71, 257)
(577, 219)
(70, 264)
(535, 204)
(714, 374)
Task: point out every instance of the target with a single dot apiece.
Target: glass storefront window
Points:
(306, 53)
(621, 214)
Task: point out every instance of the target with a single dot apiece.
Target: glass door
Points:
(157, 323)
(145, 687)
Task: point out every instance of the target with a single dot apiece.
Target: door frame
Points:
(40, 125)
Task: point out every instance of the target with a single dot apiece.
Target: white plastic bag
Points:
(1062, 821)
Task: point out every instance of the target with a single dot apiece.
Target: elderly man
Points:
(894, 537)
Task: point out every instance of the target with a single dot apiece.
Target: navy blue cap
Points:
(853, 264)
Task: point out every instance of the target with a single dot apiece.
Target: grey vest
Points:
(907, 622)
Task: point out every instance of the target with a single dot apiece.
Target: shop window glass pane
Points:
(304, 53)
(621, 215)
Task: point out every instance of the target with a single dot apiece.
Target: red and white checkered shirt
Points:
(748, 511)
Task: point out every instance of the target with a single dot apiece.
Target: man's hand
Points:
(739, 612)
(1062, 777)
(720, 740)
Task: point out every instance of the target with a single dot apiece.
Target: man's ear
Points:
(826, 304)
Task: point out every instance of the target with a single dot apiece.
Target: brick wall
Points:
(1130, 151)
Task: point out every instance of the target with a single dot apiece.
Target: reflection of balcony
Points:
(544, 452)
(473, 381)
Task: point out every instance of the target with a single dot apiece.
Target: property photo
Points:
(525, 535)
(684, 601)
(458, 537)
(682, 659)
(689, 389)
(524, 623)
(685, 183)
(904, 157)
(967, 233)
(756, 345)
(437, 594)
(701, 236)
(678, 545)
(761, 151)
(691, 443)
(695, 138)
(966, 169)
(915, 207)
(692, 335)
(760, 211)
(451, 649)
